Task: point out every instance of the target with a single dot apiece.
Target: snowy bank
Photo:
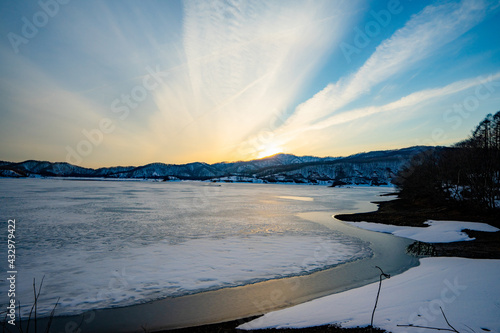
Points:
(436, 232)
(466, 289)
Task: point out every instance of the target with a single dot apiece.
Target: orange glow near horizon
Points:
(269, 150)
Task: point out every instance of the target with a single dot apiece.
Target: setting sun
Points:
(269, 150)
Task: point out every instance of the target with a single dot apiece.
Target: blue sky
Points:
(104, 83)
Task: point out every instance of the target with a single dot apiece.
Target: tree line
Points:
(466, 174)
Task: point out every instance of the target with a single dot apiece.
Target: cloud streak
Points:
(244, 62)
(414, 99)
(422, 36)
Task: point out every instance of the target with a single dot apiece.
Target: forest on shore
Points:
(466, 174)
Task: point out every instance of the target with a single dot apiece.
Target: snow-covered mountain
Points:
(377, 167)
(43, 168)
(272, 161)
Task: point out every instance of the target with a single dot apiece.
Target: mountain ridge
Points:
(375, 167)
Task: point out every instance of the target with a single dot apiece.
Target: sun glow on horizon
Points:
(269, 150)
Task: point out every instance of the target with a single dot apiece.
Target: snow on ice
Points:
(466, 289)
(436, 232)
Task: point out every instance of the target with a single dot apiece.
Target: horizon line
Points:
(227, 162)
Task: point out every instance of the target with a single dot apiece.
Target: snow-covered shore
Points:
(466, 289)
(436, 232)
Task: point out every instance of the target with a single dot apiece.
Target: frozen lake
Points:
(102, 244)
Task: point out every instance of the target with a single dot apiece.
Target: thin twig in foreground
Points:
(382, 275)
(451, 329)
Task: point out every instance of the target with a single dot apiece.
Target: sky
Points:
(108, 83)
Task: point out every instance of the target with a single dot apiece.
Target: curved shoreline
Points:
(400, 212)
(233, 303)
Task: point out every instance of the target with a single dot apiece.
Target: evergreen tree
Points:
(467, 173)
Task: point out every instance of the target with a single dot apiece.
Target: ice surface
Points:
(466, 289)
(437, 232)
(296, 198)
(106, 244)
(135, 275)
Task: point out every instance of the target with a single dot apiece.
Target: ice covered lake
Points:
(104, 244)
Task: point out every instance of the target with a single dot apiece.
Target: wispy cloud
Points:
(422, 36)
(414, 99)
(245, 62)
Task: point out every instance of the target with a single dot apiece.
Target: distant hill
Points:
(373, 168)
